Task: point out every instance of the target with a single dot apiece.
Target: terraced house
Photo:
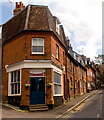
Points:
(37, 65)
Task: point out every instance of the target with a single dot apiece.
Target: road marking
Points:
(97, 115)
(79, 107)
(72, 111)
(67, 116)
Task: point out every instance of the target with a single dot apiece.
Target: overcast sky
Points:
(82, 21)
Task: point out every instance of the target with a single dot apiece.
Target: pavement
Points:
(57, 112)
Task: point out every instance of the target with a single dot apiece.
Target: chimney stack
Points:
(68, 43)
(18, 8)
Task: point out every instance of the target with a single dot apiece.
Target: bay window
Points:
(57, 84)
(14, 83)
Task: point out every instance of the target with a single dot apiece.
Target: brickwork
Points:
(25, 91)
(49, 90)
(4, 86)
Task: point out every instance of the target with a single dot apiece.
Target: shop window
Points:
(57, 84)
(37, 46)
(15, 82)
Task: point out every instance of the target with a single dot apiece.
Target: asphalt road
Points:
(92, 108)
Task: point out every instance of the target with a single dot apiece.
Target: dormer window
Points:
(58, 26)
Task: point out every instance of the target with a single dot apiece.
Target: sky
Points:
(81, 19)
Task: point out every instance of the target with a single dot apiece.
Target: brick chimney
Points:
(18, 8)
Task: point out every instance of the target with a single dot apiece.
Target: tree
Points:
(101, 77)
(99, 59)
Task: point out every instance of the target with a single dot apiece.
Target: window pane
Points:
(55, 89)
(18, 88)
(39, 49)
(15, 76)
(12, 77)
(59, 89)
(34, 49)
(34, 42)
(40, 42)
(12, 88)
(18, 76)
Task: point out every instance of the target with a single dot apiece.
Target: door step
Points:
(40, 107)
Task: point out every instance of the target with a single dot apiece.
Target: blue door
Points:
(37, 90)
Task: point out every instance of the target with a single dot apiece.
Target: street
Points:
(92, 108)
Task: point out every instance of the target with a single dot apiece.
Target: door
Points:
(37, 90)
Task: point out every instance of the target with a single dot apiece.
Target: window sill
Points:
(37, 53)
(14, 95)
(58, 95)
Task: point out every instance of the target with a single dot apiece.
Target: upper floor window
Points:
(58, 26)
(57, 52)
(70, 65)
(37, 46)
(74, 69)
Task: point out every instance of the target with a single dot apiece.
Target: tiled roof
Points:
(33, 17)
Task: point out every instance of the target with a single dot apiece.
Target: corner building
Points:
(33, 67)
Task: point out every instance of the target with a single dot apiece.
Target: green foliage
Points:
(71, 87)
(99, 59)
(102, 76)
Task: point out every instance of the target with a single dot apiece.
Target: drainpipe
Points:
(1, 61)
(65, 70)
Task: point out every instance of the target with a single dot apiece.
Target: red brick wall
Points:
(19, 48)
(49, 91)
(70, 74)
(25, 92)
(54, 41)
(4, 85)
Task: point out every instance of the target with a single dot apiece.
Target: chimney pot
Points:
(16, 4)
(20, 4)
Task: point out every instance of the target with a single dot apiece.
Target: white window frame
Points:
(42, 46)
(57, 27)
(9, 84)
(57, 51)
(57, 83)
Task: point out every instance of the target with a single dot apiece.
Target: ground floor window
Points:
(57, 84)
(15, 82)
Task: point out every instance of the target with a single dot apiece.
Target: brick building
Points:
(37, 65)
(36, 44)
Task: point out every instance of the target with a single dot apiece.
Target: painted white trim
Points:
(41, 46)
(40, 64)
(37, 53)
(59, 72)
(31, 64)
(9, 86)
